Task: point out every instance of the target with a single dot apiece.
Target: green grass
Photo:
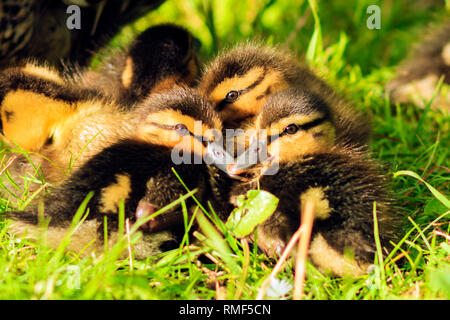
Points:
(358, 62)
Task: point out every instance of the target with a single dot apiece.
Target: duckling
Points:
(136, 170)
(295, 164)
(240, 81)
(34, 101)
(159, 58)
(43, 114)
(418, 76)
(75, 120)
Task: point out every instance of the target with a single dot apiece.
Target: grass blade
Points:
(436, 193)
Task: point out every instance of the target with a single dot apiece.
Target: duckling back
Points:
(158, 59)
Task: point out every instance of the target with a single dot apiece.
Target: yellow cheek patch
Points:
(322, 208)
(127, 74)
(170, 139)
(29, 118)
(290, 147)
(328, 259)
(251, 102)
(113, 194)
(158, 136)
(43, 73)
(191, 145)
(158, 129)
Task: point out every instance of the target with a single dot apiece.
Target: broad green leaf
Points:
(253, 209)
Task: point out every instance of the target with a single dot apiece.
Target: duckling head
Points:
(32, 99)
(160, 57)
(292, 123)
(180, 118)
(239, 81)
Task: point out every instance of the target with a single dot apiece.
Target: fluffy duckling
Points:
(417, 77)
(70, 119)
(58, 125)
(36, 105)
(240, 81)
(159, 58)
(296, 161)
(137, 171)
(40, 112)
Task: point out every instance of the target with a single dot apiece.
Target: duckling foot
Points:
(160, 222)
(272, 240)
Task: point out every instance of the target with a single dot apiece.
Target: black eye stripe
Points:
(201, 139)
(305, 126)
(178, 127)
(312, 124)
(222, 104)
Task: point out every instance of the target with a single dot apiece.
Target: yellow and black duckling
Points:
(60, 125)
(159, 58)
(34, 101)
(418, 76)
(137, 171)
(67, 121)
(240, 81)
(40, 112)
(297, 161)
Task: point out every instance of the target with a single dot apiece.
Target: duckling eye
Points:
(291, 129)
(181, 129)
(232, 96)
